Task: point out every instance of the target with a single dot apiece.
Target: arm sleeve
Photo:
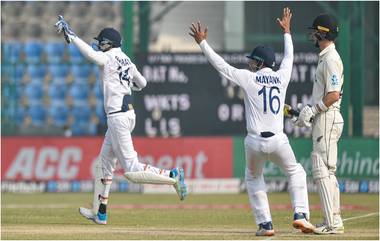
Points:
(287, 62)
(333, 75)
(97, 57)
(228, 71)
(137, 78)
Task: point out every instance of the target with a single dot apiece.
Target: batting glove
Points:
(300, 123)
(296, 119)
(307, 114)
(63, 26)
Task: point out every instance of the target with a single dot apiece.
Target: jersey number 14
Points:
(271, 99)
(124, 75)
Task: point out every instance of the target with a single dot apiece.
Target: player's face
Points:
(315, 36)
(100, 46)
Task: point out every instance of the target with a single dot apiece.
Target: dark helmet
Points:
(263, 54)
(326, 24)
(108, 38)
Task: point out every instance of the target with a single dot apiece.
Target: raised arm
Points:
(287, 61)
(216, 61)
(95, 56)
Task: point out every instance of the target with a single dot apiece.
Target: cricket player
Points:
(120, 77)
(327, 122)
(264, 96)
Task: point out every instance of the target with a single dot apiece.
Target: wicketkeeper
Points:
(120, 77)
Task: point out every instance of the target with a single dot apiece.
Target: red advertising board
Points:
(42, 158)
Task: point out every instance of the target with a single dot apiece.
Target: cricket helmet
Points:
(108, 38)
(326, 27)
(263, 54)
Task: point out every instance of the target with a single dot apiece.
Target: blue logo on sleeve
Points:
(334, 80)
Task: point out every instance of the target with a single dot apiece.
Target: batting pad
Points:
(326, 197)
(145, 177)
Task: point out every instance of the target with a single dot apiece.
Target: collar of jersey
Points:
(330, 47)
(265, 69)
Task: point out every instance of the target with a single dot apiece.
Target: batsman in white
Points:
(120, 77)
(264, 96)
(327, 122)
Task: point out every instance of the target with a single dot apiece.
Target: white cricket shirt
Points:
(264, 90)
(328, 76)
(118, 72)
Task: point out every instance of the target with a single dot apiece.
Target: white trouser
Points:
(118, 145)
(278, 150)
(327, 129)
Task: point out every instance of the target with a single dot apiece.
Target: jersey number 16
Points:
(272, 98)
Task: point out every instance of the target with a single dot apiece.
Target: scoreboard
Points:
(186, 96)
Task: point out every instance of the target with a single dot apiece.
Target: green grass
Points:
(55, 216)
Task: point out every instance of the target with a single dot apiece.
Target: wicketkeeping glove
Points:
(63, 26)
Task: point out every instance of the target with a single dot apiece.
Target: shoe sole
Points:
(266, 234)
(99, 222)
(92, 219)
(329, 233)
(301, 226)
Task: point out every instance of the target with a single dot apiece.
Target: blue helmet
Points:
(263, 54)
(108, 38)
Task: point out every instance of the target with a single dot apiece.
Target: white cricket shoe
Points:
(97, 218)
(300, 222)
(180, 186)
(265, 229)
(327, 230)
(338, 224)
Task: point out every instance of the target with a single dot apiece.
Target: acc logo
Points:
(334, 80)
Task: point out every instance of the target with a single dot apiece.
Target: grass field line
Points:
(165, 231)
(362, 216)
(178, 206)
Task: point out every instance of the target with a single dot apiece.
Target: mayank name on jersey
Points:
(123, 62)
(263, 79)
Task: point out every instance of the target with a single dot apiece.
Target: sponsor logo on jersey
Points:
(268, 79)
(334, 80)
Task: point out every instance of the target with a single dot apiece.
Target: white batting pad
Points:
(326, 197)
(145, 177)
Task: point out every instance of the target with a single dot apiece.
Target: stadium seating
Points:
(34, 92)
(96, 72)
(97, 90)
(37, 114)
(54, 52)
(81, 72)
(57, 92)
(36, 62)
(75, 55)
(99, 111)
(59, 114)
(36, 72)
(58, 73)
(33, 51)
(11, 52)
(13, 73)
(81, 112)
(79, 128)
(19, 114)
(79, 92)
